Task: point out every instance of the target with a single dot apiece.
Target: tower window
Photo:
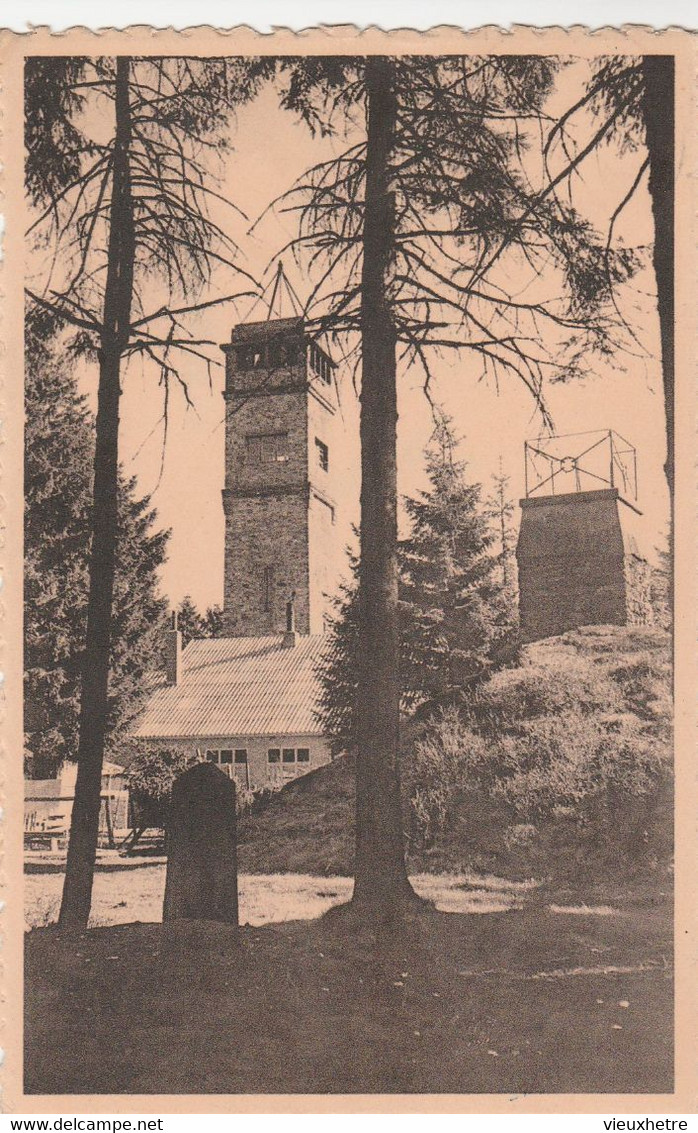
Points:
(250, 357)
(253, 450)
(320, 364)
(266, 448)
(268, 589)
(323, 454)
(277, 354)
(244, 357)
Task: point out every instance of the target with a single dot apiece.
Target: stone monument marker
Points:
(202, 882)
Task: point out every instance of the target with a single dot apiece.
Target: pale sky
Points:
(270, 150)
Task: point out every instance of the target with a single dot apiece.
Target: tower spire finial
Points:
(281, 280)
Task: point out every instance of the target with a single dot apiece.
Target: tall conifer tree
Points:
(122, 208)
(58, 492)
(407, 228)
(454, 613)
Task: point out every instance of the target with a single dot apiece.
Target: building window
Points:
(323, 454)
(290, 757)
(253, 450)
(231, 760)
(266, 448)
(273, 448)
(320, 364)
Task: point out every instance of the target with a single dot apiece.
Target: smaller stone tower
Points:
(281, 476)
(578, 552)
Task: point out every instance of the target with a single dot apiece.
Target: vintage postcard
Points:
(349, 590)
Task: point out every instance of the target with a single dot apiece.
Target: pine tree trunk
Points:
(381, 887)
(84, 828)
(658, 73)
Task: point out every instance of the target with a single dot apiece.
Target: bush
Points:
(515, 695)
(519, 836)
(577, 762)
(545, 789)
(150, 779)
(442, 764)
(249, 802)
(645, 682)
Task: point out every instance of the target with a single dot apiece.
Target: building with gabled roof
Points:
(246, 703)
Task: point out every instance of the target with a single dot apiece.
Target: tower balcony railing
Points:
(320, 365)
(581, 462)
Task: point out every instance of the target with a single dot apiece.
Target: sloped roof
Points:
(239, 686)
(266, 329)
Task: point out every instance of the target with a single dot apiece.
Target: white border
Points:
(264, 15)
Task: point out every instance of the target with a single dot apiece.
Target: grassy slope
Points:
(308, 827)
(612, 671)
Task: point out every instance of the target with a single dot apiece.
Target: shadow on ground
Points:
(533, 1000)
(137, 895)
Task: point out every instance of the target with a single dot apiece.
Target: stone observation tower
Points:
(281, 472)
(247, 700)
(578, 553)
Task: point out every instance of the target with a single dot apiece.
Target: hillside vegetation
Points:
(559, 765)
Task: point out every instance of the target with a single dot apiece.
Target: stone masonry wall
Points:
(561, 594)
(276, 414)
(572, 568)
(638, 589)
(266, 532)
(280, 531)
(265, 501)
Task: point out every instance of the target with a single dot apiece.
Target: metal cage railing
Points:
(580, 462)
